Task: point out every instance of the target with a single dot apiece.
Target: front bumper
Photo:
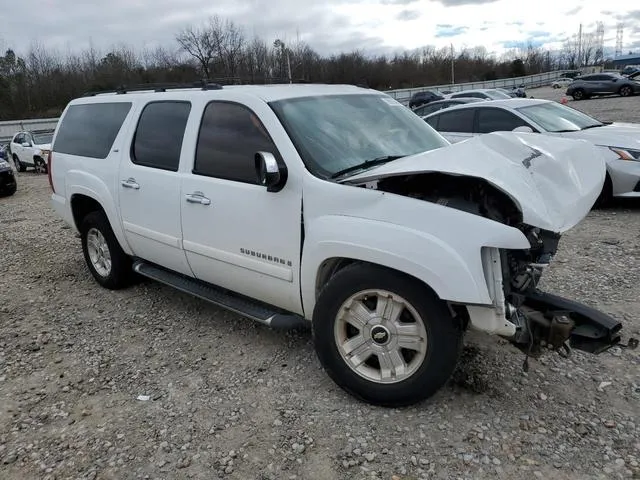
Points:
(534, 320)
(625, 177)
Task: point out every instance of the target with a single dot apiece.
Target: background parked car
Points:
(562, 82)
(420, 98)
(8, 184)
(602, 84)
(30, 149)
(4, 154)
(619, 142)
(483, 93)
(441, 104)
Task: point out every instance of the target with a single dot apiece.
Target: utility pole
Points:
(453, 80)
(284, 51)
(580, 47)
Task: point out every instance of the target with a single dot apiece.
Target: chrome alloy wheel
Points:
(380, 336)
(99, 253)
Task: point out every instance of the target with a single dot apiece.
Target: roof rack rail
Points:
(156, 87)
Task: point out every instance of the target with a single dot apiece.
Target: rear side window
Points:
(457, 121)
(90, 130)
(158, 139)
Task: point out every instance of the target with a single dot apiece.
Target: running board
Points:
(248, 307)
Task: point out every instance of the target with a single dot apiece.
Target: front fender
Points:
(454, 273)
(83, 183)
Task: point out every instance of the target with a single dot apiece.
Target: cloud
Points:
(449, 31)
(408, 15)
(574, 11)
(328, 26)
(459, 3)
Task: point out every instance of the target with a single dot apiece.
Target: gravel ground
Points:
(611, 108)
(227, 398)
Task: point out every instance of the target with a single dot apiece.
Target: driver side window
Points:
(230, 135)
(498, 120)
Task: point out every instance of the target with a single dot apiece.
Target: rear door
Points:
(149, 185)
(455, 125)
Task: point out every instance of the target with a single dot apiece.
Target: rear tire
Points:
(423, 340)
(578, 94)
(20, 167)
(107, 262)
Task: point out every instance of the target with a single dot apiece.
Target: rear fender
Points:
(82, 183)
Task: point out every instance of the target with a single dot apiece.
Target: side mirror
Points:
(270, 174)
(523, 129)
(26, 144)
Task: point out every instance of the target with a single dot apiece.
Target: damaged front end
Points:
(542, 186)
(545, 321)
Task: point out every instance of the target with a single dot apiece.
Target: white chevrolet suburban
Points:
(334, 207)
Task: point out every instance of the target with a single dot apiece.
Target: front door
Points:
(149, 185)
(236, 234)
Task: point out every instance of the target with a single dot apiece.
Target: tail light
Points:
(49, 165)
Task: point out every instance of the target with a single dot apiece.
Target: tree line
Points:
(39, 83)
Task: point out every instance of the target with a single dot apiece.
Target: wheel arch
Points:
(84, 201)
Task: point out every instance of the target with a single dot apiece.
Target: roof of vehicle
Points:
(506, 103)
(477, 90)
(267, 93)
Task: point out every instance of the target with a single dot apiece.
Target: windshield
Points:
(554, 117)
(335, 132)
(42, 138)
(497, 94)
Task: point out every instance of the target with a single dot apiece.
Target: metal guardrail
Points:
(530, 81)
(9, 128)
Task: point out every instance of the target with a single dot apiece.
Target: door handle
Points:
(197, 197)
(130, 183)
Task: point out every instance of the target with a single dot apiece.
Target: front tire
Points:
(626, 91)
(107, 262)
(384, 337)
(39, 165)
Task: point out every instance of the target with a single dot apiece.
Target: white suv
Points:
(334, 207)
(31, 149)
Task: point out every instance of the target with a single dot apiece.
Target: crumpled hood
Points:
(554, 181)
(626, 135)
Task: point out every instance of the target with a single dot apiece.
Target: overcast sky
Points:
(329, 26)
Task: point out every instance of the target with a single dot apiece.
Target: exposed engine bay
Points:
(543, 321)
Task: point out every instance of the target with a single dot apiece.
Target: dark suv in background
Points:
(595, 84)
(420, 98)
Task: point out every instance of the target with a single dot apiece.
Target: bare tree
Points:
(199, 42)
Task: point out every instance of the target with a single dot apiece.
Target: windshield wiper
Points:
(593, 126)
(366, 164)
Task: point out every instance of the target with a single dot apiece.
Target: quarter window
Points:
(158, 139)
(89, 130)
(230, 135)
